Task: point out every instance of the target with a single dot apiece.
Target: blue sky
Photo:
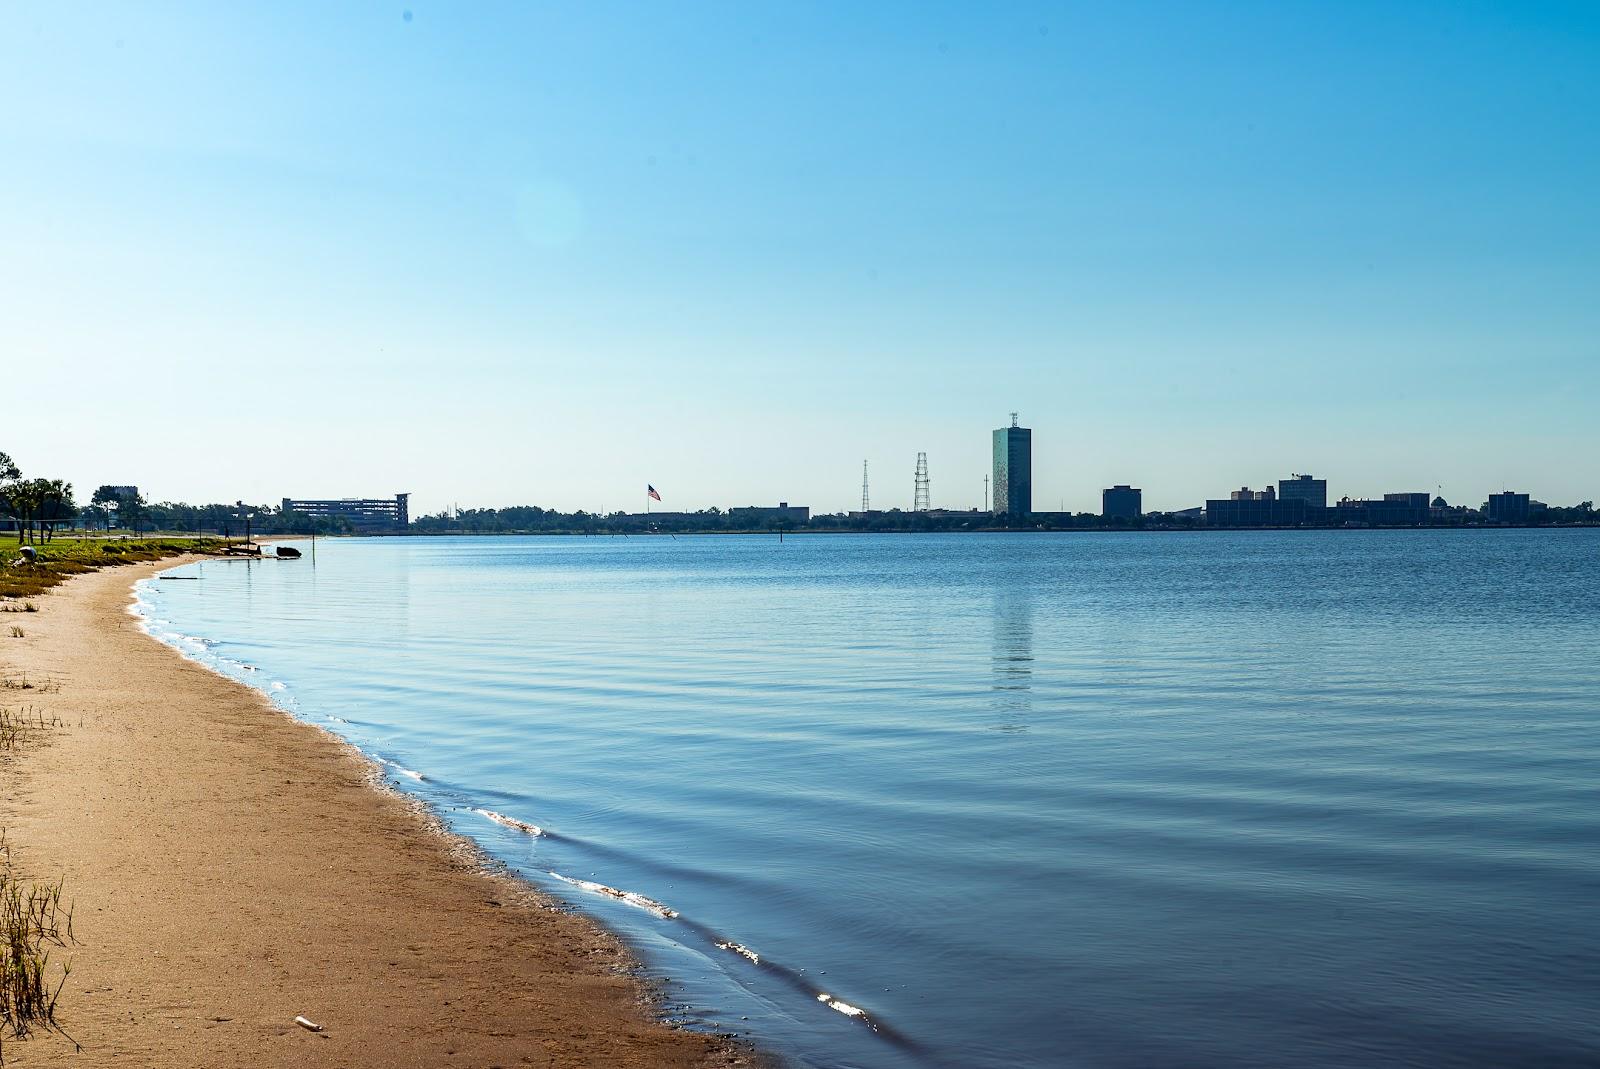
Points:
(496, 254)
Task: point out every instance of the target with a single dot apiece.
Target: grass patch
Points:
(17, 725)
(33, 922)
(22, 682)
(64, 557)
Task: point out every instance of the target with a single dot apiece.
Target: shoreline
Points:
(807, 531)
(224, 856)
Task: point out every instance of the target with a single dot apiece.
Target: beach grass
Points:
(34, 920)
(64, 557)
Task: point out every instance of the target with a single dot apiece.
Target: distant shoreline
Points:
(830, 532)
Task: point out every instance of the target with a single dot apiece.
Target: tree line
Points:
(36, 504)
(37, 508)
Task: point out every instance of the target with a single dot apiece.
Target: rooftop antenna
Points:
(919, 501)
(865, 501)
(1013, 419)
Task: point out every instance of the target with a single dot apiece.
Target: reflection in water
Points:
(1012, 658)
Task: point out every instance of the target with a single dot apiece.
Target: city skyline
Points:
(501, 255)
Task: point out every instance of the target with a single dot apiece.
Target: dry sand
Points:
(233, 868)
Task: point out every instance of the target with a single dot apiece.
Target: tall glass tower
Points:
(1013, 470)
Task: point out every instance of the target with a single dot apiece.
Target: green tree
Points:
(55, 505)
(10, 479)
(132, 510)
(105, 499)
(26, 497)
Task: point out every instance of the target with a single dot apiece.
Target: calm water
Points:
(1253, 799)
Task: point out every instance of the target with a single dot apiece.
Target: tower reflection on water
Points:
(1012, 659)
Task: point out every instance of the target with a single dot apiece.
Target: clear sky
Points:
(496, 254)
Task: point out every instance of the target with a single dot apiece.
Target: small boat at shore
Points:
(286, 552)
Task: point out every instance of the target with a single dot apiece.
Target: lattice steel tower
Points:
(866, 505)
(919, 502)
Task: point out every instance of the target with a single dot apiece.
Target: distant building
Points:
(1441, 511)
(1013, 470)
(1508, 507)
(363, 513)
(1256, 508)
(647, 519)
(1122, 502)
(761, 516)
(1395, 510)
(1314, 492)
(122, 493)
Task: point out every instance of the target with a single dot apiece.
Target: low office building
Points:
(764, 516)
(368, 514)
(1394, 510)
(1508, 507)
(1313, 491)
(1256, 508)
(1122, 502)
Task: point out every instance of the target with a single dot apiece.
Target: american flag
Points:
(651, 491)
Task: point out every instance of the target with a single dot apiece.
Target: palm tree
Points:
(26, 497)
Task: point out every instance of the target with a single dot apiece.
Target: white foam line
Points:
(402, 769)
(840, 1005)
(511, 822)
(632, 898)
(741, 950)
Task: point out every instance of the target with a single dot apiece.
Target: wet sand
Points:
(233, 869)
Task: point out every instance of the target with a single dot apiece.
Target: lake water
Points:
(1222, 799)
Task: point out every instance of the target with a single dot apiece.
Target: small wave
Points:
(402, 769)
(337, 719)
(841, 1005)
(511, 822)
(279, 686)
(740, 949)
(632, 898)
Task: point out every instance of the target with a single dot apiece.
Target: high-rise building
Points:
(1122, 502)
(1314, 492)
(1013, 470)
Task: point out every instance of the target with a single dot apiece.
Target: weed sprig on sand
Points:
(16, 725)
(22, 682)
(33, 921)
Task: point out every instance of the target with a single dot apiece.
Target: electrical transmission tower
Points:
(919, 502)
(866, 504)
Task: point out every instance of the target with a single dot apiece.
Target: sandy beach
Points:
(233, 869)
